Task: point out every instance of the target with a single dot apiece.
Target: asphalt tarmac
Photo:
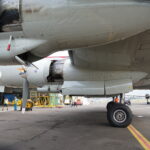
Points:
(81, 128)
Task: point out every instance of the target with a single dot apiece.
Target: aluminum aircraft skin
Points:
(107, 36)
(38, 28)
(108, 43)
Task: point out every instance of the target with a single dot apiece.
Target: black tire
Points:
(110, 105)
(119, 115)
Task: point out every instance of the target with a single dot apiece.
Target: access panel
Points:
(10, 15)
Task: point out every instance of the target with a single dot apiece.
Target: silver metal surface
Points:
(25, 94)
(119, 116)
(67, 24)
(108, 41)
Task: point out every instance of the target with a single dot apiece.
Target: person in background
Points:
(5, 104)
(15, 104)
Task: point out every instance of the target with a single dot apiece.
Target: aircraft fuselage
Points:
(48, 25)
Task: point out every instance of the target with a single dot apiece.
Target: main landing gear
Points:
(118, 114)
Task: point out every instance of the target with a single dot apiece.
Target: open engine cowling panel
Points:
(56, 71)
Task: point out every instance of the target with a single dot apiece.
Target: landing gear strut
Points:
(25, 94)
(118, 114)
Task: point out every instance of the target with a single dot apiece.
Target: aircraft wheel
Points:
(119, 115)
(110, 105)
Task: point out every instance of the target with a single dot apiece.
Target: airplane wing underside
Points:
(132, 54)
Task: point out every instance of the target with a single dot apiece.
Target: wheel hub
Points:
(120, 116)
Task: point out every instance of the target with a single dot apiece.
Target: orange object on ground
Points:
(116, 100)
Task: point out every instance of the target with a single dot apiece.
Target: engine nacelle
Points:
(38, 77)
(9, 76)
(62, 76)
(49, 74)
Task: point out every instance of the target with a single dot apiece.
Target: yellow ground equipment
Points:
(51, 101)
(42, 101)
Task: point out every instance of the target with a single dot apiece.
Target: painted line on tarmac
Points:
(139, 137)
